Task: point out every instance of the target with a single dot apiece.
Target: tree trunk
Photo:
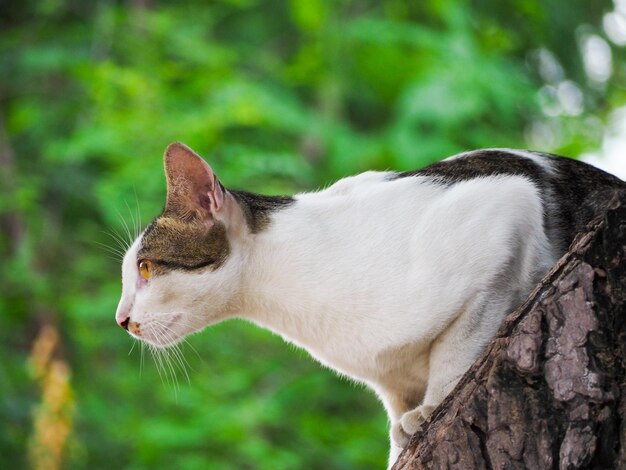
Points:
(549, 391)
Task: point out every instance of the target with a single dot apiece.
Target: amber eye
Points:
(145, 268)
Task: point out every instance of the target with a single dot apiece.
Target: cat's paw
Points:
(409, 423)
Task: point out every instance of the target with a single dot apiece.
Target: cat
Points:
(397, 280)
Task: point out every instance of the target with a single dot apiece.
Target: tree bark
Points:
(549, 391)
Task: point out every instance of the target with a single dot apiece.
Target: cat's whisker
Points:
(179, 357)
(156, 362)
(121, 243)
(182, 353)
(172, 372)
(135, 220)
(141, 358)
(117, 236)
(132, 347)
(126, 228)
(163, 364)
(180, 361)
(138, 213)
(168, 368)
(119, 255)
(117, 247)
(171, 364)
(156, 354)
(186, 341)
(110, 251)
(114, 257)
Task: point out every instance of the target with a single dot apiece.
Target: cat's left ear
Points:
(193, 190)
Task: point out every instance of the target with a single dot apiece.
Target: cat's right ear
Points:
(193, 191)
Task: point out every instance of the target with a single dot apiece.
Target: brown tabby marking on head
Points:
(171, 243)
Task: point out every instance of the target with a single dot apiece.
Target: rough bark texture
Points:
(549, 391)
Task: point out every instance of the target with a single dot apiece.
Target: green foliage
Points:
(280, 97)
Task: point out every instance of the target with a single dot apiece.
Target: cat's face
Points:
(182, 272)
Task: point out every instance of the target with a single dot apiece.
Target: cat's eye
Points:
(145, 268)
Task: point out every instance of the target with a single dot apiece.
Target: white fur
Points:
(396, 283)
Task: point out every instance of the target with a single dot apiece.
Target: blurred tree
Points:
(280, 96)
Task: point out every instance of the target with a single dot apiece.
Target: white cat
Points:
(397, 280)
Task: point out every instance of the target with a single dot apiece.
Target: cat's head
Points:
(182, 273)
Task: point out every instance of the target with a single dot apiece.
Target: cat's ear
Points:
(193, 190)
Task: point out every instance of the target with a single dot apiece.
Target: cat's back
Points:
(491, 186)
(572, 192)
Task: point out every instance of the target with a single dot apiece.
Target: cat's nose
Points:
(122, 314)
(124, 323)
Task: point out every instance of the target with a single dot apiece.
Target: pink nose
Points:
(122, 315)
(123, 323)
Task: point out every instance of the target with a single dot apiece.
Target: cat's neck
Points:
(279, 283)
(314, 280)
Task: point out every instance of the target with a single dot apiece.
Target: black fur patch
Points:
(258, 208)
(581, 190)
(480, 163)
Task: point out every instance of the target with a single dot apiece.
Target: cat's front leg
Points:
(402, 430)
(451, 355)
(409, 423)
(397, 407)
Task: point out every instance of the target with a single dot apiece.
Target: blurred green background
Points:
(280, 97)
